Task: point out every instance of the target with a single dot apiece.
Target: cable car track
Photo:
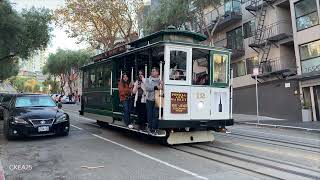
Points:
(277, 142)
(266, 168)
(264, 158)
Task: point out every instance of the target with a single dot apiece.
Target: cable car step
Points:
(160, 133)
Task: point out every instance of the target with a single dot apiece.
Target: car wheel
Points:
(6, 130)
(64, 133)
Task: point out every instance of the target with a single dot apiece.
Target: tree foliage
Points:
(8, 68)
(99, 22)
(21, 35)
(65, 65)
(169, 12)
(25, 84)
(179, 13)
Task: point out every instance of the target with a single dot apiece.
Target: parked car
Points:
(4, 99)
(34, 115)
(65, 100)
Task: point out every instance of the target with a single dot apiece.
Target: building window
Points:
(252, 63)
(239, 68)
(232, 6)
(306, 14)
(235, 39)
(310, 56)
(248, 29)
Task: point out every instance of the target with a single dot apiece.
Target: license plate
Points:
(43, 128)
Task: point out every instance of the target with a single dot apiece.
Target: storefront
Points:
(309, 80)
(311, 96)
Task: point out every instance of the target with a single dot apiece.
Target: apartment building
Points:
(260, 34)
(305, 17)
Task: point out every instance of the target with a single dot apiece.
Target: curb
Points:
(1, 172)
(279, 126)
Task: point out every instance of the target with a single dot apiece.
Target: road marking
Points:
(76, 127)
(1, 172)
(152, 158)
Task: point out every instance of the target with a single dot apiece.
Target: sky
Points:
(60, 38)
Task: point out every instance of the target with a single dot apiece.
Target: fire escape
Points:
(260, 42)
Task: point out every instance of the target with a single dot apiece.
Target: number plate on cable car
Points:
(43, 128)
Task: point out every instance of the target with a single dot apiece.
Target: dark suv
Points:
(33, 115)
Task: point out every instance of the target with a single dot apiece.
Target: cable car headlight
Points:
(200, 105)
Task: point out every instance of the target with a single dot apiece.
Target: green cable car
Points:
(195, 98)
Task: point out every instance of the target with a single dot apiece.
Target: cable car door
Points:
(177, 77)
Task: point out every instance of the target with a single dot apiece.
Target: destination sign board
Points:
(179, 103)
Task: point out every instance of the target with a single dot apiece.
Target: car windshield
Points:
(34, 101)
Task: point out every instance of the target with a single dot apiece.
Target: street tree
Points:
(20, 35)
(99, 22)
(169, 12)
(201, 20)
(65, 65)
(183, 12)
(8, 68)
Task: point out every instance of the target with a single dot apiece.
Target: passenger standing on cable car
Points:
(152, 83)
(140, 93)
(125, 90)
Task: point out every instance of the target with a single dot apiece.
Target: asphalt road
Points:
(91, 152)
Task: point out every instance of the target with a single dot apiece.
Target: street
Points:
(92, 152)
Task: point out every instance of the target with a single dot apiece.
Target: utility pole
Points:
(256, 73)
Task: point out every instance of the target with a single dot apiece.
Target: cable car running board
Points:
(162, 134)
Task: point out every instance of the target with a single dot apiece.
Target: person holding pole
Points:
(152, 84)
(139, 92)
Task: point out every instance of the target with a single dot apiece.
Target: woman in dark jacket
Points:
(125, 90)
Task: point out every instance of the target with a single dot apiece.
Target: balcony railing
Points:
(236, 47)
(274, 32)
(278, 64)
(229, 13)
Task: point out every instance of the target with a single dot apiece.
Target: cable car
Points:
(194, 101)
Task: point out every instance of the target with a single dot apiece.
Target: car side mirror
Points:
(59, 105)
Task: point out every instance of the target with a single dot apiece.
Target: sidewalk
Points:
(277, 123)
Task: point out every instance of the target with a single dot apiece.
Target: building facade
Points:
(260, 34)
(305, 17)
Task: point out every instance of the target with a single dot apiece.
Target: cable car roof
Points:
(170, 34)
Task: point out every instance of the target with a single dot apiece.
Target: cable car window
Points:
(200, 67)
(220, 68)
(92, 78)
(99, 77)
(178, 61)
(107, 76)
(85, 79)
